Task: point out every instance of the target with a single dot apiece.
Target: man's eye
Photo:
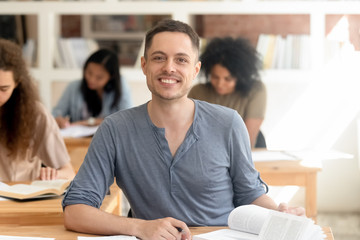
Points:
(158, 58)
(182, 60)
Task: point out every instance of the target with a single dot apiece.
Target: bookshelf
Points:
(47, 15)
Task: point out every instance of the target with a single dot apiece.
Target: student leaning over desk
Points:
(232, 70)
(101, 92)
(29, 135)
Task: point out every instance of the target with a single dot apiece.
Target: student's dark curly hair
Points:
(109, 60)
(18, 115)
(237, 55)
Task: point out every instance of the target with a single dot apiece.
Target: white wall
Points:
(319, 113)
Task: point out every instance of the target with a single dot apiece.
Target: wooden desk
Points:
(59, 232)
(284, 173)
(77, 142)
(77, 156)
(77, 149)
(49, 211)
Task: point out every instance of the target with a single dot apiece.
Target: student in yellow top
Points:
(231, 67)
(29, 135)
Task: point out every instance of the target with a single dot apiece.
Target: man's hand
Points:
(164, 229)
(298, 211)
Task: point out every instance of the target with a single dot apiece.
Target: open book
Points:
(253, 222)
(36, 189)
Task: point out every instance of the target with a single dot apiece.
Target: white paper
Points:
(117, 237)
(266, 156)
(2, 237)
(77, 131)
(304, 155)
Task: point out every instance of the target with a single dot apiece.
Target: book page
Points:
(57, 184)
(3, 185)
(248, 218)
(22, 189)
(36, 188)
(283, 226)
(225, 234)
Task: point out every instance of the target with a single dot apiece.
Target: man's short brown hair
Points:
(169, 25)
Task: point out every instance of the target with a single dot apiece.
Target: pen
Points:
(180, 230)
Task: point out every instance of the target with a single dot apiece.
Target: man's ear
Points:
(197, 69)
(143, 63)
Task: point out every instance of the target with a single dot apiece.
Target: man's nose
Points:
(169, 66)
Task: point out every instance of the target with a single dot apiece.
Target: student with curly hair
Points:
(101, 92)
(29, 135)
(231, 67)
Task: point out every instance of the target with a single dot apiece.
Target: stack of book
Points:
(73, 52)
(290, 52)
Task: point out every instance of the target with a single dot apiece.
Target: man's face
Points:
(171, 65)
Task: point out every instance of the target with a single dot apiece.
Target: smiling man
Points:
(180, 162)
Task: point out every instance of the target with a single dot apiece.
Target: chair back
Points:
(260, 141)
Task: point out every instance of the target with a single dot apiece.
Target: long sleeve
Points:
(64, 105)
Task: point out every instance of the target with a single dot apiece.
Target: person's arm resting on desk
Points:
(85, 195)
(84, 218)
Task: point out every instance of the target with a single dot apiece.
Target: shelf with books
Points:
(317, 16)
(282, 46)
(122, 33)
(22, 30)
(80, 35)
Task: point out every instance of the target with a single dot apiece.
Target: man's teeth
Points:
(168, 80)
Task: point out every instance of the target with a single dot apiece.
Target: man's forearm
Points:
(87, 219)
(266, 202)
